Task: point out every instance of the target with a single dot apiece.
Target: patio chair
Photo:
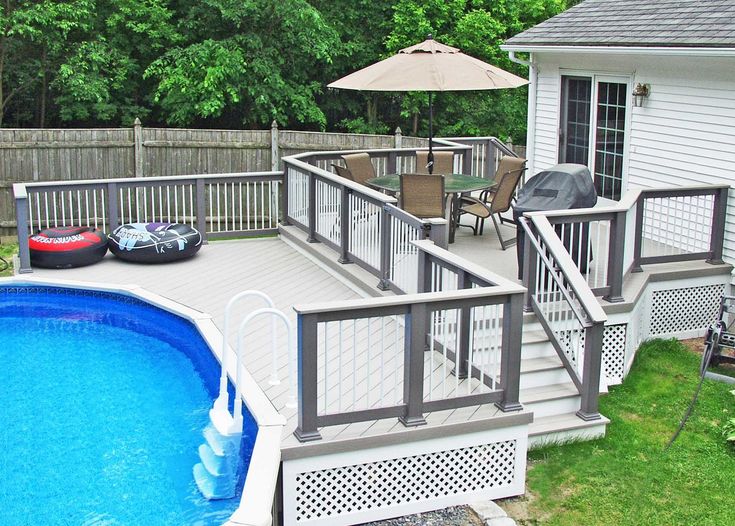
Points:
(360, 166)
(443, 162)
(423, 195)
(500, 202)
(506, 165)
(342, 172)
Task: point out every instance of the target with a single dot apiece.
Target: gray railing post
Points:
(112, 207)
(467, 163)
(138, 147)
(424, 273)
(202, 209)
(391, 166)
(510, 354)
(638, 234)
(307, 378)
(439, 234)
(413, 365)
(311, 213)
(344, 222)
(529, 270)
(462, 357)
(284, 197)
(21, 215)
(588, 409)
(717, 237)
(615, 255)
(385, 223)
(398, 139)
(489, 164)
(275, 155)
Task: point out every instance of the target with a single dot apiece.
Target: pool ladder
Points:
(217, 472)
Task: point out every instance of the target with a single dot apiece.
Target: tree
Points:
(257, 63)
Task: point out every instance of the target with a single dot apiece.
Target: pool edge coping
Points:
(262, 477)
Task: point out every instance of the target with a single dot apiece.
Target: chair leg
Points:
(503, 244)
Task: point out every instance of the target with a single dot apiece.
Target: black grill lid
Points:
(561, 187)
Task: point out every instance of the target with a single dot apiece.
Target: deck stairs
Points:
(545, 385)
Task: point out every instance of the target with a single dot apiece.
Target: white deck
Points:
(221, 269)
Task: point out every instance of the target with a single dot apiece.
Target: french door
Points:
(592, 130)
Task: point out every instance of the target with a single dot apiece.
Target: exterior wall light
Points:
(640, 94)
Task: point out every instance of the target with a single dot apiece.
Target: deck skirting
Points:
(412, 477)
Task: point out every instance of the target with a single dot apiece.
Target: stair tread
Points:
(210, 460)
(543, 363)
(212, 438)
(534, 336)
(548, 392)
(564, 422)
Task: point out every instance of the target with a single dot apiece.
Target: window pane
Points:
(575, 120)
(610, 138)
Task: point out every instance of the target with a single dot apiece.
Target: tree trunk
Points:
(44, 90)
(415, 123)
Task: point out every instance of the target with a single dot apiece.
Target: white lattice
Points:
(362, 487)
(687, 309)
(613, 353)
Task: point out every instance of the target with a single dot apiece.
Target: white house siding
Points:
(684, 134)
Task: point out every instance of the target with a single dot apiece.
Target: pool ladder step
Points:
(216, 474)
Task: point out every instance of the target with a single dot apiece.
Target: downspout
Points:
(531, 123)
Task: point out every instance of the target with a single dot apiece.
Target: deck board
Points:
(223, 268)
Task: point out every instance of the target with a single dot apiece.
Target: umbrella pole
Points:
(431, 136)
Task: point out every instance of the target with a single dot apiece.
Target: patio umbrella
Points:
(429, 66)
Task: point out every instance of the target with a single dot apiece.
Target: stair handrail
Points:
(588, 312)
(223, 400)
(291, 403)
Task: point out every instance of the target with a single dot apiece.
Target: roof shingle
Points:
(637, 23)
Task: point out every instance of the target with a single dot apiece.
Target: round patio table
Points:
(454, 184)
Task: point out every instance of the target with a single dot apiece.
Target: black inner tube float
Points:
(67, 247)
(154, 242)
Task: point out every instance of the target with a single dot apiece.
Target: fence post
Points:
(413, 365)
(284, 197)
(275, 152)
(717, 237)
(112, 207)
(462, 358)
(311, 213)
(344, 222)
(201, 209)
(638, 234)
(398, 139)
(21, 215)
(467, 163)
(307, 378)
(615, 255)
(588, 409)
(138, 147)
(529, 262)
(510, 354)
(385, 223)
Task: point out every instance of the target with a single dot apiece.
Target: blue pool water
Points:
(103, 400)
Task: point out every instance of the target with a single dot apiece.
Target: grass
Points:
(628, 478)
(6, 252)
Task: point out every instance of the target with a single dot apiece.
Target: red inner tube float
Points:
(154, 242)
(67, 247)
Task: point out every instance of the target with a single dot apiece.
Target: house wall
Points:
(684, 134)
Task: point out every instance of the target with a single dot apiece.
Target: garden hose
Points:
(5, 263)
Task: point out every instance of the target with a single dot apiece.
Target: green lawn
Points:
(627, 478)
(7, 251)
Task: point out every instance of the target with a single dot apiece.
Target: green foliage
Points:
(628, 477)
(240, 63)
(728, 428)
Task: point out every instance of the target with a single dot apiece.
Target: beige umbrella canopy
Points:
(429, 66)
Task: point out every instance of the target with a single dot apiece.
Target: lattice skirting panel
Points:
(684, 312)
(390, 481)
(613, 353)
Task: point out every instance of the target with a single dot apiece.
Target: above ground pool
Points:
(104, 399)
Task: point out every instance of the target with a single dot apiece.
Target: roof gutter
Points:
(531, 119)
(623, 50)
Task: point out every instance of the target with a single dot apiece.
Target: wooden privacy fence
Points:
(45, 155)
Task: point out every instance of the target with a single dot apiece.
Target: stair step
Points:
(215, 464)
(214, 441)
(538, 372)
(567, 427)
(548, 392)
(531, 337)
(212, 487)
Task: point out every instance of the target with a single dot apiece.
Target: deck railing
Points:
(361, 225)
(219, 206)
(664, 225)
(486, 153)
(454, 344)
